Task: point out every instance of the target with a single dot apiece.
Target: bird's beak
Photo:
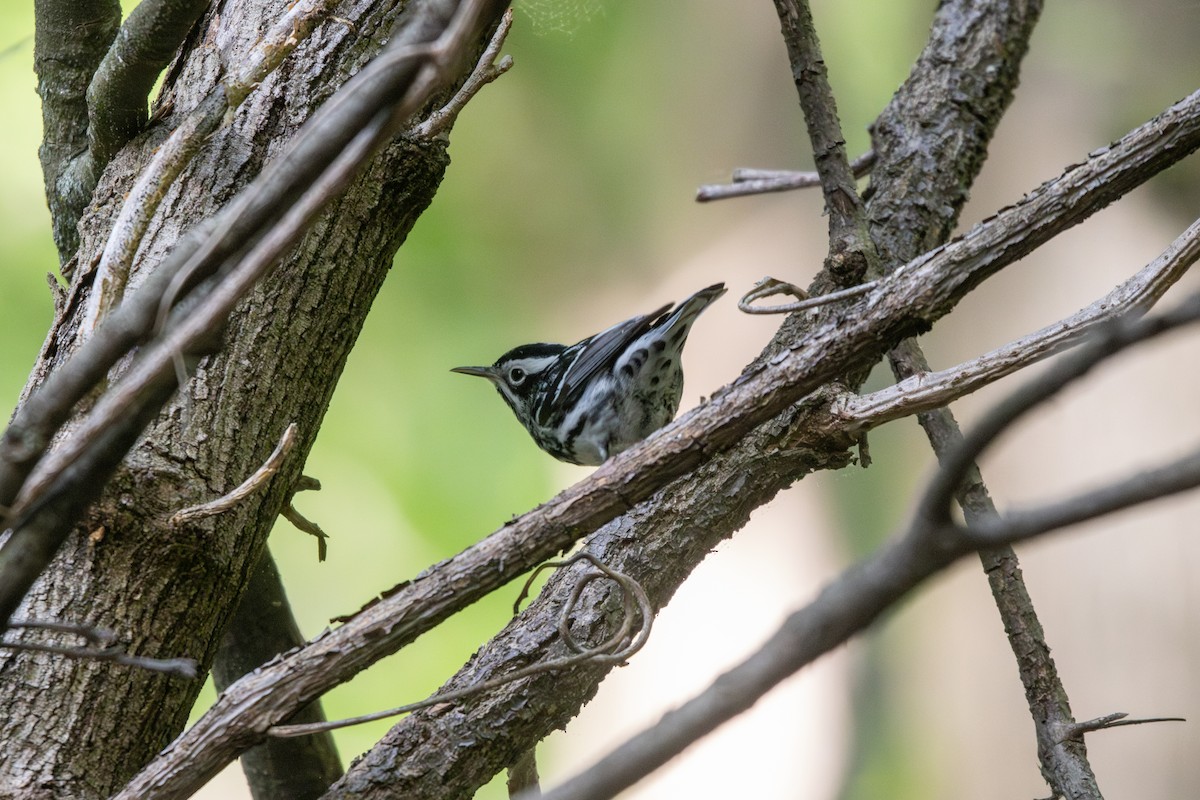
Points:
(482, 372)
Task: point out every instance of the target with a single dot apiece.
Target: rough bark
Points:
(172, 591)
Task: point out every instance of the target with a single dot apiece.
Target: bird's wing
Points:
(601, 351)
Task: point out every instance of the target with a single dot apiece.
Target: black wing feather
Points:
(601, 351)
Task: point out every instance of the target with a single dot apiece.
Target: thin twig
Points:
(486, 71)
(306, 483)
(257, 480)
(103, 647)
(303, 523)
(769, 287)
(746, 181)
(617, 649)
(91, 633)
(935, 138)
(929, 390)
(1117, 720)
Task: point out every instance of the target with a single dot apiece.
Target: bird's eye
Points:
(516, 375)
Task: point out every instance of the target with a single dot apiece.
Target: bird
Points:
(587, 402)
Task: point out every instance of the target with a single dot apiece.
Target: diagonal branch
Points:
(857, 597)
(909, 299)
(929, 390)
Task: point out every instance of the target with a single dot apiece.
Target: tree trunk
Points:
(80, 729)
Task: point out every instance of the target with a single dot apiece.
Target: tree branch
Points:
(256, 481)
(860, 594)
(261, 629)
(635, 616)
(119, 92)
(70, 40)
(925, 391)
(910, 298)
(851, 253)
(347, 131)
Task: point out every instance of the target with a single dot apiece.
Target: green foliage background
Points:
(572, 179)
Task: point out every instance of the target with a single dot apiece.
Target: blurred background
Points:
(569, 206)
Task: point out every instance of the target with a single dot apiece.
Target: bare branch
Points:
(746, 181)
(940, 139)
(254, 483)
(119, 92)
(929, 390)
(102, 646)
(847, 605)
(843, 608)
(910, 298)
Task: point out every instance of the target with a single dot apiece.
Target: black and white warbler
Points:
(589, 401)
